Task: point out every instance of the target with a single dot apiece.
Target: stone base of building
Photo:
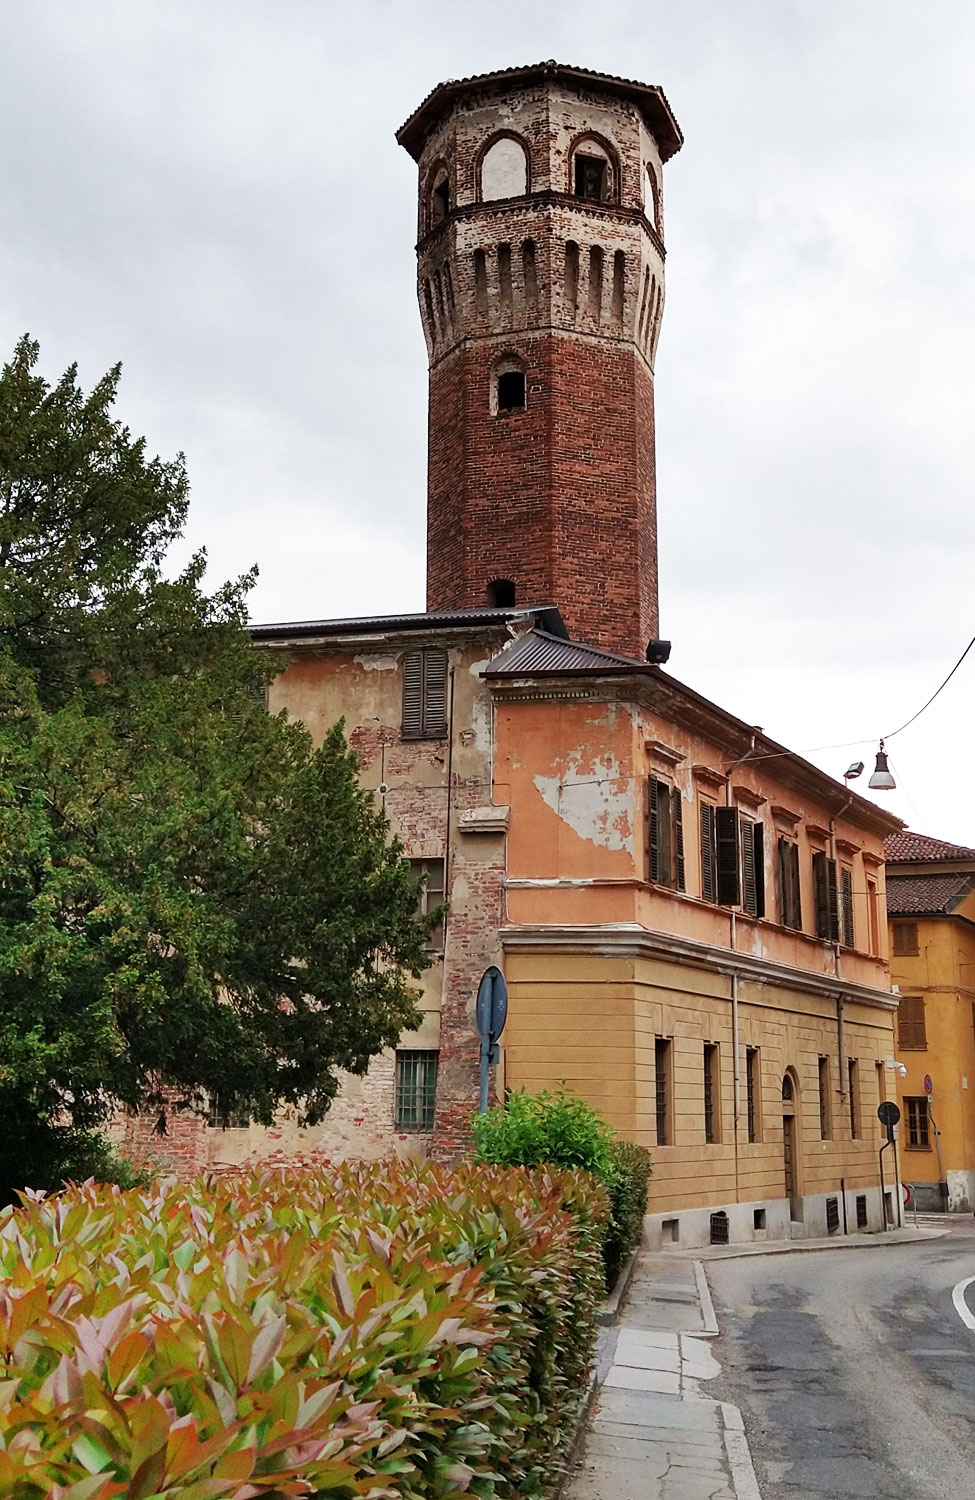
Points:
(822, 1214)
(956, 1195)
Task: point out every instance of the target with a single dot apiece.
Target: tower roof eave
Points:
(649, 99)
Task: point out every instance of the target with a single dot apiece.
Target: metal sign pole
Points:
(491, 1012)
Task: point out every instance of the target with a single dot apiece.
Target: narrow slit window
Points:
(712, 1094)
(440, 201)
(664, 1086)
(511, 390)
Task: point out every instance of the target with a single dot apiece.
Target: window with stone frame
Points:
(825, 1100)
(753, 1104)
(663, 1049)
(425, 694)
(712, 1093)
(665, 834)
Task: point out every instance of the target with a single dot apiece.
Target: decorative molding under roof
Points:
(709, 776)
(843, 846)
(785, 816)
(817, 831)
(876, 861)
(748, 797)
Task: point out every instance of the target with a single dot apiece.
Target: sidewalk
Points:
(652, 1433)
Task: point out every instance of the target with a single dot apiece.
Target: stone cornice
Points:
(627, 940)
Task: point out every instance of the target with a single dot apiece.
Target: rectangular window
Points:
(712, 1094)
(846, 904)
(429, 876)
(665, 834)
(918, 1136)
(905, 940)
(874, 915)
(425, 694)
(732, 859)
(825, 1100)
(752, 1101)
(853, 1071)
(790, 905)
(881, 1083)
(911, 1033)
(826, 897)
(226, 1117)
(590, 177)
(664, 1087)
(416, 1089)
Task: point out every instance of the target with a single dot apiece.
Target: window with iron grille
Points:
(429, 877)
(848, 934)
(751, 1092)
(222, 1116)
(905, 940)
(661, 1058)
(416, 1089)
(918, 1135)
(790, 905)
(425, 694)
(861, 1210)
(665, 834)
(853, 1072)
(826, 897)
(832, 1215)
(712, 1094)
(825, 1112)
(911, 1033)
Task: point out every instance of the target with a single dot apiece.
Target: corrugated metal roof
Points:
(925, 895)
(915, 848)
(430, 620)
(538, 652)
(666, 129)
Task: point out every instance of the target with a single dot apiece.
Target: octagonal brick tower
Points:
(541, 288)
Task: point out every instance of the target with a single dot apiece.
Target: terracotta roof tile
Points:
(914, 848)
(925, 895)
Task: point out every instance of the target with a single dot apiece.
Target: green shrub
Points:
(562, 1130)
(628, 1200)
(368, 1331)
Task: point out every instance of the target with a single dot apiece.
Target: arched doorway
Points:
(790, 1143)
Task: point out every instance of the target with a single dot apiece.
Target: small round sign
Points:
(928, 1085)
(907, 1194)
(888, 1113)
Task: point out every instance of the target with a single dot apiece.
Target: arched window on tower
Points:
(501, 593)
(504, 170)
(511, 390)
(592, 172)
(440, 197)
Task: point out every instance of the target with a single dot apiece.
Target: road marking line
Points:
(961, 1306)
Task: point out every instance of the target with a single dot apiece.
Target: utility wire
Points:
(936, 691)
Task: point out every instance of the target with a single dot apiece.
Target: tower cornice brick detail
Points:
(541, 287)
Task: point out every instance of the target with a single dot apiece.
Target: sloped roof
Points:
(547, 614)
(917, 848)
(539, 651)
(651, 100)
(925, 895)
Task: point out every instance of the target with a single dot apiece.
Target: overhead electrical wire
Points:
(936, 691)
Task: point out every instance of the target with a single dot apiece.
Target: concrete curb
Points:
(739, 1454)
(610, 1309)
(707, 1306)
(796, 1247)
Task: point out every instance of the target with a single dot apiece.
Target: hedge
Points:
(377, 1330)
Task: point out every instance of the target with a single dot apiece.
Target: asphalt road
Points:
(852, 1368)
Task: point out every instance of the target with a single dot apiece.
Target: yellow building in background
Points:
(931, 912)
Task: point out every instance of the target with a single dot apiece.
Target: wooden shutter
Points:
(413, 695)
(911, 1035)
(709, 886)
(653, 828)
(758, 854)
(729, 883)
(846, 877)
(905, 940)
(749, 896)
(678, 816)
(826, 898)
(434, 693)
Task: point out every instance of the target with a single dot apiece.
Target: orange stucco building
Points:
(931, 910)
(690, 917)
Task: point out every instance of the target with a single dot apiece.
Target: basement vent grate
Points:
(832, 1215)
(861, 1210)
(719, 1229)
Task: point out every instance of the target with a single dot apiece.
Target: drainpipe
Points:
(736, 1071)
(840, 1031)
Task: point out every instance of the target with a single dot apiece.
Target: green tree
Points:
(193, 897)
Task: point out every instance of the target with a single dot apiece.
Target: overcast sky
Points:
(210, 191)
